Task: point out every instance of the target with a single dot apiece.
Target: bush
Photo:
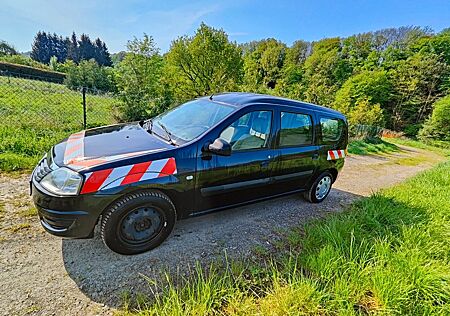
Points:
(142, 89)
(438, 125)
(88, 74)
(365, 113)
(362, 97)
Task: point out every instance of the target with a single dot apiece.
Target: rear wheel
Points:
(320, 188)
(138, 222)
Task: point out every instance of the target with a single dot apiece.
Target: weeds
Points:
(19, 227)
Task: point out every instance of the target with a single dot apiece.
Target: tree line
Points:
(391, 78)
(47, 45)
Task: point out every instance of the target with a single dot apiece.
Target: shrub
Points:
(142, 89)
(438, 125)
(88, 74)
(365, 113)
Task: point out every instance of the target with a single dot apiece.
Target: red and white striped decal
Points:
(336, 154)
(74, 147)
(114, 177)
(74, 154)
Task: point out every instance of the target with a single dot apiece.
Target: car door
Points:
(245, 174)
(298, 152)
(332, 136)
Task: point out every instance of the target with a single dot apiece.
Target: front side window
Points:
(331, 129)
(250, 131)
(296, 129)
(191, 119)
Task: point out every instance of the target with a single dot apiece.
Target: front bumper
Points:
(73, 217)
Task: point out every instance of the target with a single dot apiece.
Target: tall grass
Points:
(386, 254)
(35, 115)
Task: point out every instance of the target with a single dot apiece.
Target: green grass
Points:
(386, 254)
(361, 147)
(439, 147)
(36, 115)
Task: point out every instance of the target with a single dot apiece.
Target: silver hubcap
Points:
(323, 187)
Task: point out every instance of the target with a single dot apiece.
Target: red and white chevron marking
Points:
(114, 177)
(74, 154)
(74, 147)
(336, 154)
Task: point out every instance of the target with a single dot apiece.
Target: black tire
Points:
(151, 214)
(311, 195)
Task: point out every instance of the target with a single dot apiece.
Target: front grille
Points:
(41, 170)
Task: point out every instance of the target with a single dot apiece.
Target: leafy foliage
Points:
(88, 74)
(7, 49)
(263, 65)
(361, 95)
(438, 125)
(203, 64)
(138, 78)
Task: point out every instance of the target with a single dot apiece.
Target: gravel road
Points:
(44, 275)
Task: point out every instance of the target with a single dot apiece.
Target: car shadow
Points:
(104, 276)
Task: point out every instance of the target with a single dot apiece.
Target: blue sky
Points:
(117, 21)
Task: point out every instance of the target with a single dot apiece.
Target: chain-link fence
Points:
(35, 114)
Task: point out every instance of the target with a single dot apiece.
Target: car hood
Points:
(97, 146)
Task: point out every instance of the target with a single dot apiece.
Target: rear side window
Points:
(331, 129)
(296, 129)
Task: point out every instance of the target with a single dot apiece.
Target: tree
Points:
(88, 74)
(138, 78)
(7, 49)
(262, 65)
(203, 64)
(291, 83)
(418, 83)
(40, 50)
(367, 92)
(438, 124)
(325, 70)
(72, 49)
(365, 112)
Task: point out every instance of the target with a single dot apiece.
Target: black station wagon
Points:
(204, 155)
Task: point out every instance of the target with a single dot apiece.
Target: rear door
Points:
(245, 174)
(298, 152)
(332, 138)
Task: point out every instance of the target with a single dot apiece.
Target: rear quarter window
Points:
(332, 129)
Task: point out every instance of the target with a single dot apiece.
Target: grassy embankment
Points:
(35, 115)
(386, 254)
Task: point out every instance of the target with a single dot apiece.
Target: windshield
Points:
(190, 119)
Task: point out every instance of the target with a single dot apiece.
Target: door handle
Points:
(315, 156)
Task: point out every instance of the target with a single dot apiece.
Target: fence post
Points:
(84, 107)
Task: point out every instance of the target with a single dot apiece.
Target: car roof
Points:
(243, 99)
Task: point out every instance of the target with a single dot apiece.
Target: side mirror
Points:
(219, 147)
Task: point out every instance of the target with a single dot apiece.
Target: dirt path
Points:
(44, 275)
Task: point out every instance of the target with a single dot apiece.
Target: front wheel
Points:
(138, 222)
(320, 188)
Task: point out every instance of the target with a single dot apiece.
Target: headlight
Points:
(62, 181)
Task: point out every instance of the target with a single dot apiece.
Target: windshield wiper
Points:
(169, 135)
(148, 125)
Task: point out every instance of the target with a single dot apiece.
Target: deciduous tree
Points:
(203, 64)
